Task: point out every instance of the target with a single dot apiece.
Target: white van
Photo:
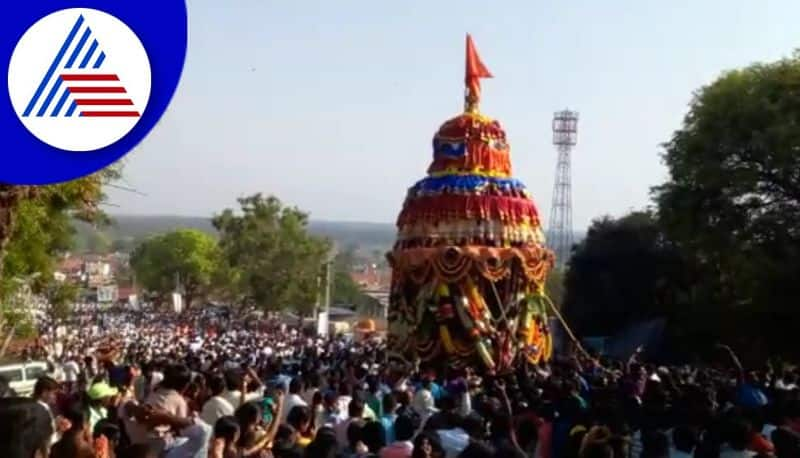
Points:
(22, 377)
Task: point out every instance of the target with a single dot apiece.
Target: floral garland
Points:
(451, 264)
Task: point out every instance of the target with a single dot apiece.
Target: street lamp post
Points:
(323, 317)
(328, 284)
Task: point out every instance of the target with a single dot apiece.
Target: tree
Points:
(623, 272)
(16, 311)
(78, 198)
(273, 263)
(98, 243)
(345, 290)
(188, 255)
(732, 201)
(60, 297)
(40, 235)
(34, 229)
(348, 293)
(124, 245)
(35, 226)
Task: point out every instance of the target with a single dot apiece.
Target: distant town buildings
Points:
(375, 282)
(99, 278)
(97, 275)
(372, 277)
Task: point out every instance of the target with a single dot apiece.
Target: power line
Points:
(127, 189)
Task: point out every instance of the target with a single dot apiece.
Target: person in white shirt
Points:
(346, 395)
(294, 398)
(237, 392)
(71, 371)
(156, 377)
(217, 406)
(58, 371)
(193, 435)
(424, 404)
(343, 405)
(355, 413)
(328, 415)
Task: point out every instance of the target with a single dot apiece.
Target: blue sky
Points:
(331, 105)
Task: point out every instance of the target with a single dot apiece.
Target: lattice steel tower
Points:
(559, 233)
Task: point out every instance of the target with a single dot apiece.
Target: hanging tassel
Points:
(463, 316)
(486, 357)
(447, 341)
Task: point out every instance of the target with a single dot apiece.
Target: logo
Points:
(79, 79)
(86, 83)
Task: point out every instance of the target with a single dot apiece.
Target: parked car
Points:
(22, 376)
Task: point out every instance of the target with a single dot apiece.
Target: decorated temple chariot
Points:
(469, 264)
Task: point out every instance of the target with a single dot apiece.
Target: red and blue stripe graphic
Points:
(76, 82)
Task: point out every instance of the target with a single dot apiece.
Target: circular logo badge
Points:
(79, 79)
(85, 84)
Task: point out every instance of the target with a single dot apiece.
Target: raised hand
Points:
(62, 424)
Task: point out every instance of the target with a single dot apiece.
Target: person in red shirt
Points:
(402, 447)
(761, 445)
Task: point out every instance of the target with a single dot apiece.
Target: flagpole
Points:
(475, 70)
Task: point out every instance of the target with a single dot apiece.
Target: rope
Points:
(566, 327)
(500, 304)
(555, 312)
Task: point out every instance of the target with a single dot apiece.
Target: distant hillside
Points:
(364, 235)
(132, 228)
(127, 230)
(139, 227)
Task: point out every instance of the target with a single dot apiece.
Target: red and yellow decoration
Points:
(469, 264)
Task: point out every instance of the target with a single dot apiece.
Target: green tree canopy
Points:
(346, 292)
(60, 297)
(624, 271)
(732, 201)
(34, 229)
(98, 243)
(188, 255)
(41, 233)
(273, 262)
(35, 224)
(123, 244)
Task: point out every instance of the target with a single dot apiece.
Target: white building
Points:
(107, 293)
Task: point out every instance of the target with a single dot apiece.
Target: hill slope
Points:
(131, 228)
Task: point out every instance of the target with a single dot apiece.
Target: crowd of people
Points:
(150, 385)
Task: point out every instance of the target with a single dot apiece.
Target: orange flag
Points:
(475, 71)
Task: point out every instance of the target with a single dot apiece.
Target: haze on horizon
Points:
(331, 106)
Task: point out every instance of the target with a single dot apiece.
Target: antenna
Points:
(559, 233)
